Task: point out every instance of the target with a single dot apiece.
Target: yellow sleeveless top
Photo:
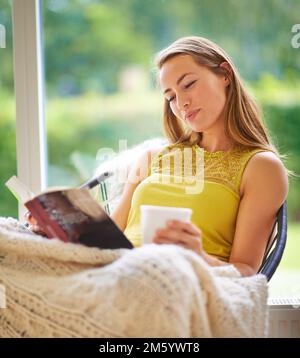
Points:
(176, 178)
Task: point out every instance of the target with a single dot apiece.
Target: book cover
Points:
(73, 215)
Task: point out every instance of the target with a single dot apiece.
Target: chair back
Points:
(276, 245)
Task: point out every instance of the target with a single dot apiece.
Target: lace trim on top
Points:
(224, 167)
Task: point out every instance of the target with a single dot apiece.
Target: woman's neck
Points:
(215, 139)
(214, 143)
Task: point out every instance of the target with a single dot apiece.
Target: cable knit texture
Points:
(54, 289)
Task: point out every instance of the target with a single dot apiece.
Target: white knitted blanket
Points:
(54, 289)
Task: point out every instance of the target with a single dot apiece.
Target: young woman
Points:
(207, 108)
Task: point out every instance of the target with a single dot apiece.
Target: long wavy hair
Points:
(244, 125)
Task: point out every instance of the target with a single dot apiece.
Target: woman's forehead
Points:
(177, 66)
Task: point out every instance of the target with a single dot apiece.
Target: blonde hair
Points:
(244, 125)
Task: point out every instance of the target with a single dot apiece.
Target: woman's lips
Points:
(191, 115)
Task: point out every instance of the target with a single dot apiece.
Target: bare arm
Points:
(264, 189)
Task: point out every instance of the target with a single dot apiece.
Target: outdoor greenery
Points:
(88, 42)
(285, 282)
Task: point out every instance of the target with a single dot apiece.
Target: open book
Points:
(72, 215)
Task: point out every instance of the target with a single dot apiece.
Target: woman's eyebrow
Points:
(179, 80)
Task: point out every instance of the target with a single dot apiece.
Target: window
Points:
(98, 85)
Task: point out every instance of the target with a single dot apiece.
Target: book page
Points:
(82, 199)
(19, 189)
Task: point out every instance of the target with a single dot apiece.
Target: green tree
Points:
(86, 46)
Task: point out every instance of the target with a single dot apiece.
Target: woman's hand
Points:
(33, 226)
(180, 233)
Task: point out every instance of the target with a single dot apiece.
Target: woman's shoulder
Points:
(263, 160)
(258, 158)
(267, 169)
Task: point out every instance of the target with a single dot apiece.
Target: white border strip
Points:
(2, 296)
(29, 84)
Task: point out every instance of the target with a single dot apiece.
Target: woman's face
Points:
(195, 94)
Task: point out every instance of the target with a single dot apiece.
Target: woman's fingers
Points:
(171, 240)
(27, 215)
(175, 234)
(37, 230)
(185, 226)
(166, 241)
(33, 225)
(180, 233)
(29, 218)
(185, 240)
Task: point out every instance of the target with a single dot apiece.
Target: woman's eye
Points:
(171, 99)
(190, 84)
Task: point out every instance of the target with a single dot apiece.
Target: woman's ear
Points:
(227, 72)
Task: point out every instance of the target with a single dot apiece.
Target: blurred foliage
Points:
(8, 204)
(280, 101)
(284, 125)
(94, 41)
(87, 42)
(89, 123)
(99, 37)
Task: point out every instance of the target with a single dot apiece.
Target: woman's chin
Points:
(196, 128)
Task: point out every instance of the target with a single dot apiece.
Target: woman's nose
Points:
(182, 103)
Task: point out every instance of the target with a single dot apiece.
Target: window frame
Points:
(29, 95)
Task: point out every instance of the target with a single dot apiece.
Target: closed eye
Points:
(171, 99)
(190, 84)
